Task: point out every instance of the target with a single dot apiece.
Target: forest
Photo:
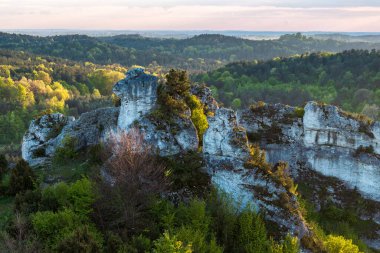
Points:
(199, 53)
(350, 79)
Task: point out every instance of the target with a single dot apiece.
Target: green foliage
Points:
(198, 116)
(299, 112)
(67, 151)
(186, 172)
(252, 235)
(6, 211)
(82, 239)
(78, 197)
(63, 220)
(289, 245)
(173, 92)
(104, 80)
(338, 244)
(51, 227)
(3, 167)
(22, 178)
(170, 244)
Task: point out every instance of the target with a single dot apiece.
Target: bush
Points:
(338, 244)
(137, 177)
(22, 178)
(78, 197)
(51, 227)
(170, 244)
(68, 150)
(3, 166)
(198, 116)
(82, 239)
(299, 112)
(251, 235)
(185, 171)
(364, 150)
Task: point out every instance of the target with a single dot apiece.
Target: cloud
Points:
(270, 15)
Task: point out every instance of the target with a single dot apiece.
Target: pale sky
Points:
(255, 15)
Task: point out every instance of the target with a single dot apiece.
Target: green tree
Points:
(22, 178)
(251, 233)
(104, 79)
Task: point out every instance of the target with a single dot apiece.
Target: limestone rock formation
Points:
(138, 94)
(205, 96)
(325, 139)
(39, 141)
(323, 145)
(48, 132)
(226, 150)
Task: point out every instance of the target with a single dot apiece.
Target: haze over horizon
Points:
(261, 15)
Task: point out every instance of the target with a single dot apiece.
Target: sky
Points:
(249, 15)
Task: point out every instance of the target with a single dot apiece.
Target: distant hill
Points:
(199, 53)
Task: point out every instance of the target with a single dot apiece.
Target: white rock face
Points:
(138, 94)
(325, 139)
(327, 126)
(225, 148)
(39, 139)
(223, 137)
(47, 133)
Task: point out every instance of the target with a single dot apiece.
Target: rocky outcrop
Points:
(226, 150)
(168, 139)
(39, 141)
(326, 125)
(48, 132)
(323, 137)
(224, 137)
(205, 96)
(138, 95)
(322, 144)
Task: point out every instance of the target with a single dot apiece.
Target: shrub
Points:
(3, 166)
(364, 150)
(28, 202)
(338, 244)
(257, 159)
(78, 197)
(82, 239)
(186, 171)
(289, 245)
(299, 112)
(68, 150)
(22, 178)
(251, 234)
(51, 227)
(136, 177)
(198, 116)
(170, 244)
